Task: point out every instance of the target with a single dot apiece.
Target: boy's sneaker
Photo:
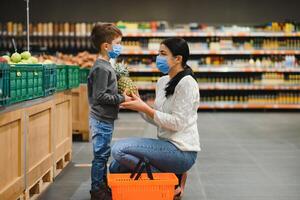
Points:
(106, 183)
(102, 194)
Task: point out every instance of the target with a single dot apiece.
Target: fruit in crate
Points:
(3, 60)
(23, 61)
(47, 58)
(16, 57)
(34, 60)
(124, 81)
(25, 55)
(7, 58)
(83, 59)
(23, 58)
(48, 62)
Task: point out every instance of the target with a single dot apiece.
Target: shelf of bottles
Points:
(236, 67)
(235, 90)
(144, 38)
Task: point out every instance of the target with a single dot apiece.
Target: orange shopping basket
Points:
(142, 186)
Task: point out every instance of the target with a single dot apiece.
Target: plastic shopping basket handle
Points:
(140, 167)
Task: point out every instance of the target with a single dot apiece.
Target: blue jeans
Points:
(101, 138)
(163, 156)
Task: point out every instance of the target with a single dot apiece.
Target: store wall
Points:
(205, 11)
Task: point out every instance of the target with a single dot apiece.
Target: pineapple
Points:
(124, 82)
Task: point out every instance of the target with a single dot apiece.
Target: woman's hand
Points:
(137, 104)
(137, 94)
(127, 98)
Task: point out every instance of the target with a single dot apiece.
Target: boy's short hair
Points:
(104, 32)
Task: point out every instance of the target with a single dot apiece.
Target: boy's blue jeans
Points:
(101, 138)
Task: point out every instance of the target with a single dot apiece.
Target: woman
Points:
(174, 114)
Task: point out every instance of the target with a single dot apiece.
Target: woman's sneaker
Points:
(180, 188)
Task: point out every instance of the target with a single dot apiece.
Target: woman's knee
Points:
(190, 161)
(114, 167)
(118, 149)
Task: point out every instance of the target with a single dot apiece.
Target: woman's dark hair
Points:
(178, 47)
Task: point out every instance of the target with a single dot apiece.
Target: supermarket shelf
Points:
(221, 52)
(173, 33)
(242, 106)
(244, 69)
(150, 88)
(209, 34)
(246, 87)
(249, 52)
(210, 106)
(233, 87)
(221, 69)
(139, 52)
(141, 70)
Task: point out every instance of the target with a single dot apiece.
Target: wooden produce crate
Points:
(62, 130)
(12, 155)
(39, 120)
(81, 112)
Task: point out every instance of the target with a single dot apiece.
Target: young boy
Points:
(104, 102)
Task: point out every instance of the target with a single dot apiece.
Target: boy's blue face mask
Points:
(116, 51)
(162, 64)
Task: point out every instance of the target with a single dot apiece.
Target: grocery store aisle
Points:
(245, 156)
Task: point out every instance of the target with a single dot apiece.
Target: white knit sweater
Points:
(176, 116)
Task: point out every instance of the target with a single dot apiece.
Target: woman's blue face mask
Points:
(162, 64)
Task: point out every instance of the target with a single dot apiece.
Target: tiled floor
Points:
(244, 156)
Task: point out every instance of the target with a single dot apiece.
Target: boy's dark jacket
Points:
(103, 96)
